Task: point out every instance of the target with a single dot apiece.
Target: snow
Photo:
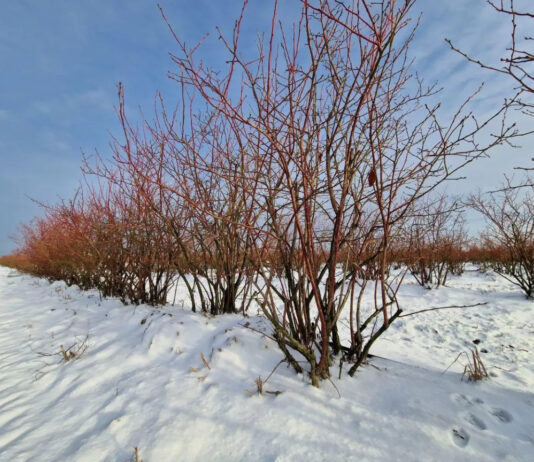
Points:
(141, 382)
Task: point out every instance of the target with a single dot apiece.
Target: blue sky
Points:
(61, 61)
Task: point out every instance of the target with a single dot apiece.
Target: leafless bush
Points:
(510, 232)
(190, 177)
(435, 239)
(335, 151)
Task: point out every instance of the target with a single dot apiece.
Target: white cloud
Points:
(92, 100)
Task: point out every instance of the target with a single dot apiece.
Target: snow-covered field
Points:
(141, 382)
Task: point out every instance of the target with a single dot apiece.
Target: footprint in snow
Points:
(502, 415)
(460, 437)
(461, 400)
(475, 421)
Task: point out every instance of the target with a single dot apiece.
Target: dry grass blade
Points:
(136, 455)
(202, 357)
(260, 383)
(259, 387)
(76, 350)
(274, 393)
(67, 355)
(475, 369)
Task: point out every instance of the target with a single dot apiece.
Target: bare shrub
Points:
(510, 234)
(17, 260)
(435, 240)
(335, 152)
(105, 238)
(136, 254)
(190, 177)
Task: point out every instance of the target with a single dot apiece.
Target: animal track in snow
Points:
(461, 399)
(466, 401)
(475, 421)
(460, 437)
(501, 414)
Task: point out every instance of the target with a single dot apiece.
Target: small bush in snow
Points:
(509, 214)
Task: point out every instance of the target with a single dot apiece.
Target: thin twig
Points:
(258, 331)
(442, 308)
